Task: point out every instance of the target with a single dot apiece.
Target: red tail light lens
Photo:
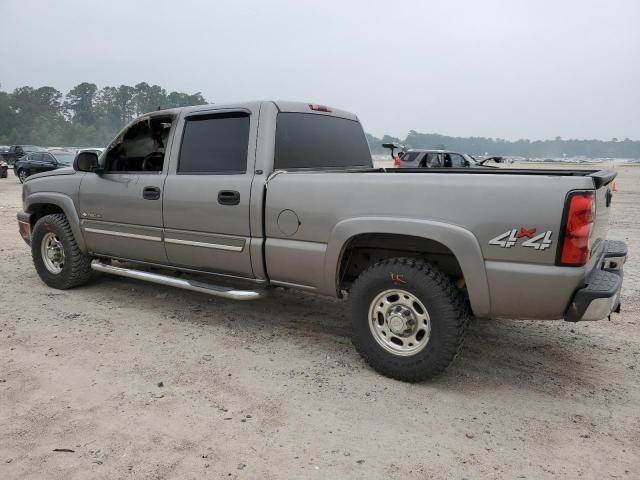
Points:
(578, 225)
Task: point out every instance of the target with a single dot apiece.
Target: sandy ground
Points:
(275, 390)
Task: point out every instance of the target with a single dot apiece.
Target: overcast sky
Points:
(509, 69)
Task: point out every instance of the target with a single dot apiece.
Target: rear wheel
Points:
(56, 255)
(408, 319)
(22, 175)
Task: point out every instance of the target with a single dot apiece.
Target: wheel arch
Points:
(410, 235)
(45, 203)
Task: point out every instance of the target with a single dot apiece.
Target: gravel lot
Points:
(142, 381)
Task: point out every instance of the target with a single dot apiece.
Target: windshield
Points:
(64, 158)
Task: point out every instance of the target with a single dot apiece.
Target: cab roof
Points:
(281, 105)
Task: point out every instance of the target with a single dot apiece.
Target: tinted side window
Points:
(215, 144)
(457, 161)
(306, 140)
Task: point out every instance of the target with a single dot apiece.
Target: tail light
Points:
(580, 214)
(396, 162)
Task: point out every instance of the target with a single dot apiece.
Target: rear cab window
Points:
(314, 141)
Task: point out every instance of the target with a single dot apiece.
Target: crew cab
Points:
(232, 200)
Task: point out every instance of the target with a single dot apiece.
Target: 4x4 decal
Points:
(510, 238)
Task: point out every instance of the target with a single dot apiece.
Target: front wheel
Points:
(56, 255)
(408, 319)
(23, 175)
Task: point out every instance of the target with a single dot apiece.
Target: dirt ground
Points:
(142, 381)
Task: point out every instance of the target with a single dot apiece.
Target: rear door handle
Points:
(228, 197)
(151, 193)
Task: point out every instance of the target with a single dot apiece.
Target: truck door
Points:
(207, 192)
(121, 207)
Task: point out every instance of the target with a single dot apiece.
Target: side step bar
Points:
(195, 286)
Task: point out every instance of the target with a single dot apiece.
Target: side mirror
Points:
(86, 162)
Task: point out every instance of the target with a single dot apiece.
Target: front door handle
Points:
(151, 193)
(228, 197)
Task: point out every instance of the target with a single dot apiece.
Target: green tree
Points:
(149, 98)
(178, 99)
(79, 103)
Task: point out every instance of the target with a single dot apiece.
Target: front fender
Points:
(460, 241)
(65, 203)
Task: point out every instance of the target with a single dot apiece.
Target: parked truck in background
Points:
(242, 197)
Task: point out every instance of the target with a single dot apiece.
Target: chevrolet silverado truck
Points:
(230, 200)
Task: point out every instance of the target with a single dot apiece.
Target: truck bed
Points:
(478, 204)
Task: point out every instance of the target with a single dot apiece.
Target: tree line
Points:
(84, 116)
(556, 148)
(89, 116)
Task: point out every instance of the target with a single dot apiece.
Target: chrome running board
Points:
(194, 286)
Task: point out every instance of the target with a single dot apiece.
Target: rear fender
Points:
(460, 241)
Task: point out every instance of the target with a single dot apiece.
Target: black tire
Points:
(76, 268)
(448, 317)
(22, 175)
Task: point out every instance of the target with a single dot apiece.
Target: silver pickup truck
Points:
(230, 200)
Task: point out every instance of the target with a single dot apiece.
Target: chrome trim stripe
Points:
(123, 234)
(216, 246)
(292, 285)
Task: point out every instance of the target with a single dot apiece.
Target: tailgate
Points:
(603, 182)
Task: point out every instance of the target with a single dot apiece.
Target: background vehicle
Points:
(37, 162)
(4, 167)
(16, 152)
(4, 149)
(246, 196)
(419, 158)
(415, 158)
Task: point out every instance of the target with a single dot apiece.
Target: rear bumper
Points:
(601, 294)
(24, 226)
